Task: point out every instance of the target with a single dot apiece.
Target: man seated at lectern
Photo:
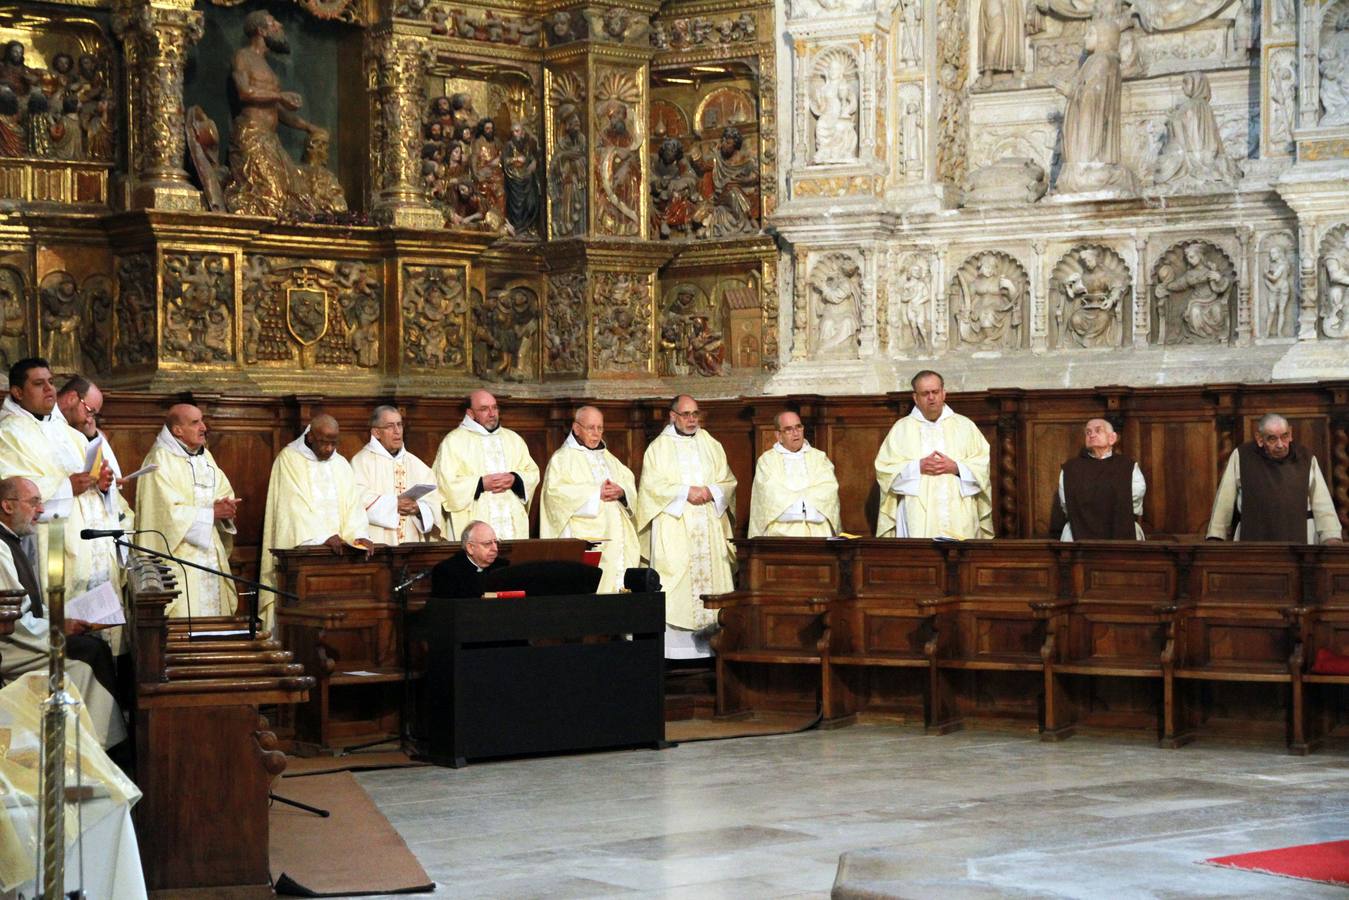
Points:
(385, 470)
(795, 491)
(461, 574)
(932, 471)
(1100, 491)
(89, 662)
(588, 494)
(1273, 490)
(311, 500)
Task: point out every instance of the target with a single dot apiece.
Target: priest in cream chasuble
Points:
(587, 493)
(684, 521)
(190, 500)
(795, 491)
(311, 499)
(933, 471)
(485, 472)
(385, 470)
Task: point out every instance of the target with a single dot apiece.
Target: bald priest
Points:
(795, 491)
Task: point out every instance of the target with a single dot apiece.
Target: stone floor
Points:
(981, 813)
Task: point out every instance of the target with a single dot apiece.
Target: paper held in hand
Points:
(97, 606)
(143, 470)
(93, 456)
(417, 492)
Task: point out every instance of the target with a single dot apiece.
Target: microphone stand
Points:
(404, 733)
(253, 619)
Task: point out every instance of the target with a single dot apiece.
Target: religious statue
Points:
(833, 102)
(98, 120)
(22, 103)
(1192, 154)
(673, 188)
(567, 175)
(618, 164)
(325, 191)
(1002, 38)
(706, 349)
(264, 180)
(13, 317)
(66, 138)
(729, 182)
(1203, 287)
(521, 164)
(914, 299)
(911, 129)
(988, 309)
(1091, 120)
(59, 312)
(488, 175)
(1337, 285)
(911, 33)
(836, 282)
(1090, 298)
(1334, 69)
(1277, 278)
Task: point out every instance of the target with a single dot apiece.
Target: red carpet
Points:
(1328, 862)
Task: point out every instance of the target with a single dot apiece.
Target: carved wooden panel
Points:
(1049, 445)
(1178, 459)
(888, 633)
(789, 631)
(1235, 642)
(1005, 636)
(1114, 638)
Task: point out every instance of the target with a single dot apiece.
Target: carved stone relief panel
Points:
(912, 143)
(621, 324)
(909, 28)
(987, 298)
(1277, 277)
(14, 344)
(564, 339)
(198, 307)
(472, 24)
(317, 313)
(505, 337)
(1334, 286)
(74, 318)
(835, 92)
(1333, 64)
(434, 306)
(1280, 109)
(1194, 287)
(909, 311)
(1090, 290)
(835, 281)
(702, 31)
(692, 332)
(568, 163)
(618, 161)
(953, 61)
(136, 315)
(1191, 155)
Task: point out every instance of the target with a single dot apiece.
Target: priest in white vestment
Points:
(684, 520)
(485, 472)
(38, 444)
(385, 470)
(795, 491)
(587, 493)
(189, 499)
(933, 471)
(312, 500)
(89, 663)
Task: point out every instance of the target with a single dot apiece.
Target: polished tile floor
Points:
(980, 813)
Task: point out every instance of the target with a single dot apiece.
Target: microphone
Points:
(89, 534)
(413, 580)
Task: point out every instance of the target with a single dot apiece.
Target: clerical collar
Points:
(380, 450)
(671, 431)
(169, 442)
(574, 444)
(917, 413)
(305, 450)
(476, 427)
(805, 445)
(14, 408)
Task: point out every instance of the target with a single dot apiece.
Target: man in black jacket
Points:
(461, 574)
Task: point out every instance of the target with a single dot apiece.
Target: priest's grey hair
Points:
(379, 411)
(468, 530)
(1267, 420)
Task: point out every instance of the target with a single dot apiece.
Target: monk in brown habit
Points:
(1100, 491)
(1273, 490)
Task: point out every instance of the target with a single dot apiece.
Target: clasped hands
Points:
(938, 463)
(610, 491)
(699, 495)
(226, 507)
(501, 481)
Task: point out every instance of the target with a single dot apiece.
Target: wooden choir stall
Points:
(1178, 639)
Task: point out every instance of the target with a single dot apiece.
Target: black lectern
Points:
(543, 674)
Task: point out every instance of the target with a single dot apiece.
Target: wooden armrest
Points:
(1046, 608)
(312, 618)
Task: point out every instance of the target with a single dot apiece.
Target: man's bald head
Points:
(20, 504)
(322, 437)
(588, 427)
(482, 408)
(1100, 437)
(791, 433)
(81, 402)
(186, 423)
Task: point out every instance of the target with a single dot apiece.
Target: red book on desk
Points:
(503, 595)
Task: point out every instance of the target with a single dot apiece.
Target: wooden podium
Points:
(346, 629)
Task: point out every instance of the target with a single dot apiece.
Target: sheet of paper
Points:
(144, 470)
(417, 492)
(98, 606)
(93, 457)
(362, 673)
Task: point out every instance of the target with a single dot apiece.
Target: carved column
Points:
(1245, 267)
(395, 64)
(1142, 294)
(156, 36)
(1039, 311)
(1309, 300)
(801, 308)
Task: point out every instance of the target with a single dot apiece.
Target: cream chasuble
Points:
(570, 506)
(178, 499)
(467, 454)
(308, 501)
(47, 452)
(954, 507)
(380, 478)
(28, 649)
(794, 494)
(689, 546)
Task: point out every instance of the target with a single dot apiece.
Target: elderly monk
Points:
(384, 470)
(683, 518)
(1273, 490)
(795, 491)
(311, 500)
(933, 471)
(36, 442)
(1100, 491)
(89, 663)
(461, 574)
(485, 472)
(587, 493)
(189, 499)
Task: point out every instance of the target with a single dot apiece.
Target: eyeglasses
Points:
(203, 473)
(691, 414)
(92, 413)
(792, 428)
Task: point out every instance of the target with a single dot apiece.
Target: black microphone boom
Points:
(88, 534)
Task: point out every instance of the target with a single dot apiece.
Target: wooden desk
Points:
(205, 758)
(347, 620)
(1179, 639)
